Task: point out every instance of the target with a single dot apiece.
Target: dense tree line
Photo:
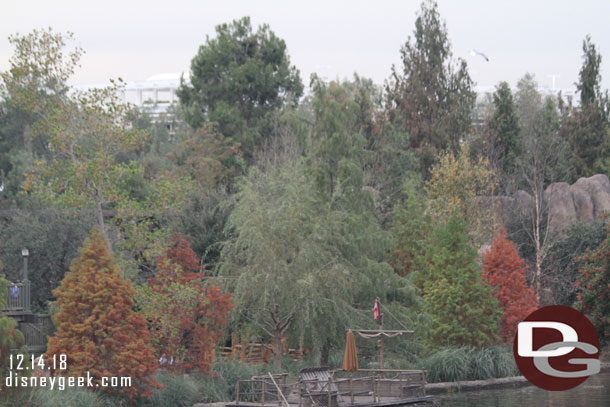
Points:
(299, 208)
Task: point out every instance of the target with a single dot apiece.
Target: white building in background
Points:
(157, 92)
(154, 95)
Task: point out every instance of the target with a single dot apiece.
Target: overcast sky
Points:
(138, 39)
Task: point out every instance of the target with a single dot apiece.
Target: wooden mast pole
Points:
(380, 342)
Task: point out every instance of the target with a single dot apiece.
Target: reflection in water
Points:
(595, 392)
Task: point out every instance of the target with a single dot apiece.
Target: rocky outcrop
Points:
(582, 201)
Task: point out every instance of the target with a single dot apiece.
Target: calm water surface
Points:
(595, 392)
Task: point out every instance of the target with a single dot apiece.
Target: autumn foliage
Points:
(97, 328)
(505, 270)
(186, 315)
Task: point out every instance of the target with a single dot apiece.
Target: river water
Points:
(594, 392)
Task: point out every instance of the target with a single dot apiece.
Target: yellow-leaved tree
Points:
(459, 184)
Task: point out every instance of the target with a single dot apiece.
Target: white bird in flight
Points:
(474, 52)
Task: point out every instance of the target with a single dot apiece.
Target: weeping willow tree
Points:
(305, 266)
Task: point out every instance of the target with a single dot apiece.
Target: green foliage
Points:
(238, 80)
(34, 84)
(594, 287)
(322, 260)
(504, 143)
(561, 265)
(586, 126)
(433, 97)
(462, 308)
(178, 390)
(52, 238)
(467, 363)
(411, 227)
(10, 337)
(45, 397)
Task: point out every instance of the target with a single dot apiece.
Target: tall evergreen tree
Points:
(97, 328)
(461, 305)
(587, 129)
(432, 95)
(238, 80)
(504, 142)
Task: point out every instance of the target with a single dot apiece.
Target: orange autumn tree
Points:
(186, 315)
(97, 328)
(505, 271)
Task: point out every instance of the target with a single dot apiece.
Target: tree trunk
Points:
(277, 351)
(324, 354)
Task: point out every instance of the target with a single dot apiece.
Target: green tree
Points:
(504, 143)
(239, 79)
(587, 127)
(97, 328)
(561, 265)
(411, 228)
(34, 84)
(593, 286)
(319, 260)
(52, 238)
(461, 305)
(432, 95)
(542, 162)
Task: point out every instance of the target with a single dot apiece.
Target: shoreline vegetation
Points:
(269, 218)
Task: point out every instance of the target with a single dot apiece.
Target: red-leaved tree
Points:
(186, 315)
(97, 329)
(505, 270)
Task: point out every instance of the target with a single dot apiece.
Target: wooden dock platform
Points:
(319, 387)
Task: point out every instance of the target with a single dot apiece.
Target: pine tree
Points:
(432, 95)
(587, 125)
(504, 144)
(505, 270)
(594, 286)
(97, 328)
(411, 226)
(461, 305)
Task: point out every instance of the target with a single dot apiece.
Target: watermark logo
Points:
(556, 348)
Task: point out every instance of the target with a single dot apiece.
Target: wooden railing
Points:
(272, 389)
(18, 297)
(257, 353)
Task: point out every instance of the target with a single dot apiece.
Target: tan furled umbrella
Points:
(350, 359)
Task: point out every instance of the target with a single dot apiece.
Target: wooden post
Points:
(330, 399)
(380, 342)
(374, 389)
(401, 388)
(351, 390)
(237, 392)
(252, 391)
(301, 393)
(263, 395)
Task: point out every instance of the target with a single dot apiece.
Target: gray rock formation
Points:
(582, 201)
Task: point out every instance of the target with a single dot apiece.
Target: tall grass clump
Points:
(178, 390)
(68, 397)
(446, 365)
(467, 363)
